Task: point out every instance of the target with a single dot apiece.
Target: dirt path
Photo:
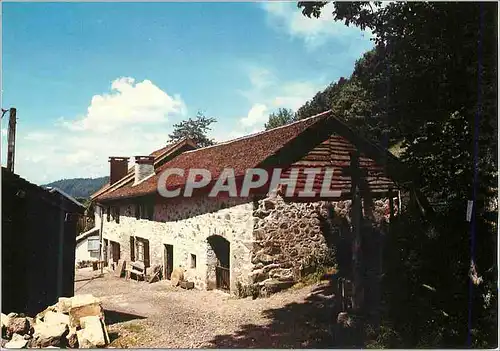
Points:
(158, 315)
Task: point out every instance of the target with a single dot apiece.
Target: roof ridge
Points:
(261, 132)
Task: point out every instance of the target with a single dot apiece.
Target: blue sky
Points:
(92, 80)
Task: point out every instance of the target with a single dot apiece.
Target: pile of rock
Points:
(76, 322)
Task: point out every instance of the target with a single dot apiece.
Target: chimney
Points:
(118, 169)
(144, 167)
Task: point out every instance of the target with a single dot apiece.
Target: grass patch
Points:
(319, 275)
(133, 327)
(124, 336)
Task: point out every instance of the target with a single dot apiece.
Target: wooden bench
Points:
(136, 268)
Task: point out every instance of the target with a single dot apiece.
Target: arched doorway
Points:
(218, 273)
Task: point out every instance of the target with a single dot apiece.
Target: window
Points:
(93, 244)
(144, 210)
(193, 261)
(116, 214)
(108, 210)
(139, 250)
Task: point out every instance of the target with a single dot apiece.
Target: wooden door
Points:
(168, 261)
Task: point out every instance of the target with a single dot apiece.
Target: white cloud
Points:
(275, 94)
(39, 136)
(128, 103)
(315, 32)
(266, 94)
(295, 94)
(261, 77)
(132, 119)
(258, 114)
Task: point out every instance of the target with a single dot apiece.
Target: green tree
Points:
(280, 118)
(196, 129)
(433, 77)
(322, 101)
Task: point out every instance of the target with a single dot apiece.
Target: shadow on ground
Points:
(310, 324)
(113, 317)
(84, 279)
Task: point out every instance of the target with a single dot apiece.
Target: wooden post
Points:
(100, 239)
(356, 174)
(391, 206)
(11, 140)
(357, 252)
(60, 252)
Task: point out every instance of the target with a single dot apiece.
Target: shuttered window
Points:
(144, 209)
(132, 248)
(140, 250)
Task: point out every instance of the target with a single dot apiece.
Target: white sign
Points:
(469, 210)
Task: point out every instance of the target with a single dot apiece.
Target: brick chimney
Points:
(118, 168)
(144, 167)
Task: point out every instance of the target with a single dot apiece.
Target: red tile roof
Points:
(251, 151)
(239, 154)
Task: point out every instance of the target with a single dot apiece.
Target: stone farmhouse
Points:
(262, 242)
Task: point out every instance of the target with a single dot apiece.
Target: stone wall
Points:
(290, 237)
(186, 224)
(272, 241)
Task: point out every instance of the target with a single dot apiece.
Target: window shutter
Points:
(137, 211)
(151, 210)
(117, 215)
(132, 249)
(108, 214)
(146, 253)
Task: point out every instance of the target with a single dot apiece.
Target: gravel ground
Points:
(140, 314)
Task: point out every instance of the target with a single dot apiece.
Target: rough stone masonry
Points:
(271, 240)
(290, 237)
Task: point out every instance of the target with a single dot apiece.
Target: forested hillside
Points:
(79, 187)
(429, 88)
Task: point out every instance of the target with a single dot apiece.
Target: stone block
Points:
(55, 318)
(17, 342)
(92, 335)
(64, 304)
(72, 338)
(78, 312)
(186, 285)
(49, 334)
(18, 325)
(177, 276)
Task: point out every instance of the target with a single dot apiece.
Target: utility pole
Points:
(11, 140)
(101, 246)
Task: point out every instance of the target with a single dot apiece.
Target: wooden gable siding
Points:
(334, 152)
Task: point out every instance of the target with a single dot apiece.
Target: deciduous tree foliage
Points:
(196, 129)
(279, 118)
(431, 81)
